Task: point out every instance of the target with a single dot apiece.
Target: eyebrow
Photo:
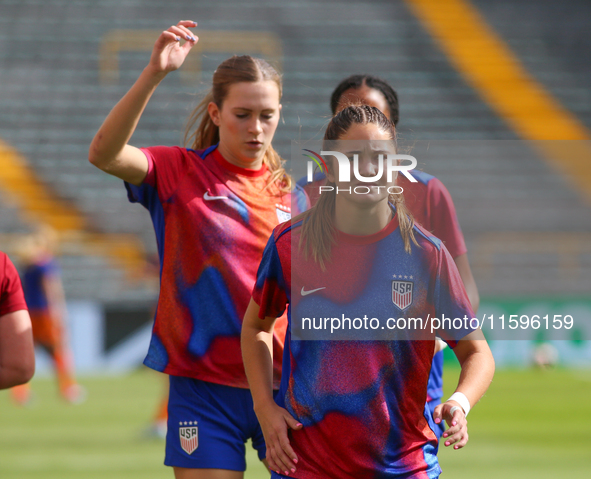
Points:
(241, 108)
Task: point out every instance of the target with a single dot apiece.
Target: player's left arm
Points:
(257, 354)
(478, 367)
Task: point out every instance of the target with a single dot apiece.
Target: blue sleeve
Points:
(143, 194)
(147, 196)
(299, 200)
(270, 290)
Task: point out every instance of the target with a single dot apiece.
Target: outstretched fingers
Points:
(280, 455)
(188, 23)
(169, 54)
(167, 37)
(181, 30)
(457, 433)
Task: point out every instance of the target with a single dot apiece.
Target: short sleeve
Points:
(443, 219)
(451, 300)
(270, 288)
(167, 166)
(11, 291)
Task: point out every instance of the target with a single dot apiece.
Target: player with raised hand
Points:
(348, 407)
(213, 207)
(428, 200)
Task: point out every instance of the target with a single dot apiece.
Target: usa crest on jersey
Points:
(283, 213)
(402, 293)
(189, 436)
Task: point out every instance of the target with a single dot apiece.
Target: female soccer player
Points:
(428, 200)
(357, 408)
(213, 208)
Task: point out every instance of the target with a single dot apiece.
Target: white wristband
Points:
(462, 400)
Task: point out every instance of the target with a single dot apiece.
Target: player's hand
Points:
(169, 53)
(457, 432)
(275, 423)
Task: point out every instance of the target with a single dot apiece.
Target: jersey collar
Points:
(368, 239)
(237, 169)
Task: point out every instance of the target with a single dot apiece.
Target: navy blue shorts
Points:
(209, 424)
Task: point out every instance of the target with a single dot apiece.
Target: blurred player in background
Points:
(428, 200)
(44, 294)
(213, 207)
(358, 408)
(17, 352)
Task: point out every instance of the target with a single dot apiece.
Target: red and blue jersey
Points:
(33, 283)
(212, 220)
(362, 402)
(432, 207)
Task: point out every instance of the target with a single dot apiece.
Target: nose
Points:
(255, 126)
(368, 165)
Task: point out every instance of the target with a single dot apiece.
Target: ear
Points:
(214, 113)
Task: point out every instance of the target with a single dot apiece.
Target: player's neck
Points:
(362, 220)
(248, 164)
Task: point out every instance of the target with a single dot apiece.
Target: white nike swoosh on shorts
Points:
(207, 197)
(306, 293)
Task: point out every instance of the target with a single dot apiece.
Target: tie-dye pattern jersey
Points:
(432, 207)
(212, 220)
(362, 403)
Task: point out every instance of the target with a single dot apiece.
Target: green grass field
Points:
(530, 424)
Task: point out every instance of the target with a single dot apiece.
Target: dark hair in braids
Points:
(318, 222)
(357, 81)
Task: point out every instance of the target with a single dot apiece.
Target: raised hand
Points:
(169, 53)
(109, 149)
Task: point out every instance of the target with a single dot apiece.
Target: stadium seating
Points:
(55, 92)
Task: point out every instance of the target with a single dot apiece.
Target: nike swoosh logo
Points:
(207, 197)
(306, 293)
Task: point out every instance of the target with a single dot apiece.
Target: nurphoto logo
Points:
(388, 163)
